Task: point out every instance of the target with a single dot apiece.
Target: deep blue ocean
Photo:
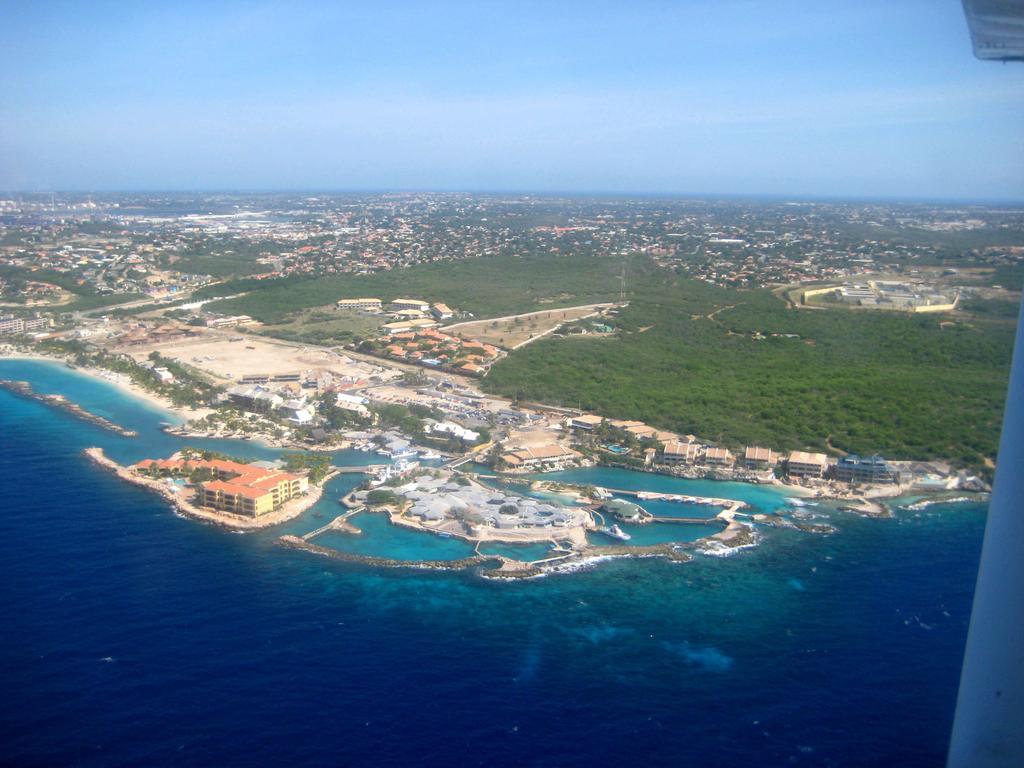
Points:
(134, 637)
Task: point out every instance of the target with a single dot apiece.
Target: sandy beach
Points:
(123, 383)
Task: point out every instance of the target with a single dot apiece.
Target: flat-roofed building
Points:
(403, 326)
(230, 322)
(756, 457)
(11, 325)
(369, 305)
(456, 430)
(804, 464)
(254, 398)
(586, 422)
(21, 324)
(864, 469)
(398, 304)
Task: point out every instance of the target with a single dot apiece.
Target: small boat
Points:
(444, 534)
(430, 455)
(615, 532)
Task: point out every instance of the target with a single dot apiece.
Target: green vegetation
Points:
(325, 326)
(97, 300)
(486, 287)
(906, 386)
(393, 416)
(1001, 309)
(188, 453)
(86, 296)
(221, 256)
(69, 283)
(189, 388)
(336, 418)
(318, 464)
(195, 474)
(380, 496)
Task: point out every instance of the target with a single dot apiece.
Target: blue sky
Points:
(873, 99)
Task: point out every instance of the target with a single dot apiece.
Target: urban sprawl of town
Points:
(161, 294)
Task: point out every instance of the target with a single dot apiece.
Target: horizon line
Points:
(572, 193)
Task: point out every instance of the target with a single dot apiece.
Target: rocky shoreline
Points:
(925, 503)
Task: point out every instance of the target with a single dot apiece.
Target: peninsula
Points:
(225, 492)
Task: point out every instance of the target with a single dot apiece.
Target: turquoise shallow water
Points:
(766, 498)
(381, 539)
(135, 637)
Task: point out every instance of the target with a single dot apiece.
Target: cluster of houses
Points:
(675, 450)
(433, 348)
(297, 408)
(147, 332)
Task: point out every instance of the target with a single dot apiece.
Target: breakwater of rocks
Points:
(24, 389)
(496, 566)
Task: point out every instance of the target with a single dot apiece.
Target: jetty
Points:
(340, 523)
(24, 389)
(688, 520)
(678, 498)
(458, 564)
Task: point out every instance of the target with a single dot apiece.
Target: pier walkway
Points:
(688, 520)
(456, 463)
(369, 469)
